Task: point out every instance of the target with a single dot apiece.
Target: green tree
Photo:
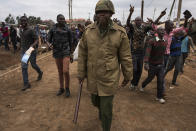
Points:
(10, 19)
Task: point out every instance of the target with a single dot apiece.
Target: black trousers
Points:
(157, 71)
(105, 105)
(14, 43)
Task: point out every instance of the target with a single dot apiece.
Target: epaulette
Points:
(120, 28)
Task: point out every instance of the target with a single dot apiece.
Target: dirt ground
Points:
(39, 109)
(8, 58)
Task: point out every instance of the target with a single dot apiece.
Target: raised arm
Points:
(160, 16)
(131, 10)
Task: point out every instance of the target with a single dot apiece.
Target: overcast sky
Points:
(48, 9)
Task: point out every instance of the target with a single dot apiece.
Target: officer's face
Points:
(61, 20)
(103, 17)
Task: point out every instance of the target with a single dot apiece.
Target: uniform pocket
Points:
(110, 66)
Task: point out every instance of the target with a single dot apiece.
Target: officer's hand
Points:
(146, 66)
(131, 9)
(124, 83)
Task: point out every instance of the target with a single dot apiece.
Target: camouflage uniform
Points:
(100, 56)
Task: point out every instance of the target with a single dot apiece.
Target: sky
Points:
(49, 9)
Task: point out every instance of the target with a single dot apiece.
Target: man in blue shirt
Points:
(175, 54)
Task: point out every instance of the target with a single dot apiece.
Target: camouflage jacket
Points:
(137, 37)
(100, 58)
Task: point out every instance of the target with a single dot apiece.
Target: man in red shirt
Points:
(4, 30)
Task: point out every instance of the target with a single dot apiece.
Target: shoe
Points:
(67, 93)
(60, 92)
(27, 86)
(132, 87)
(141, 89)
(40, 76)
(161, 100)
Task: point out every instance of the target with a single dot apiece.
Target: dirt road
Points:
(39, 109)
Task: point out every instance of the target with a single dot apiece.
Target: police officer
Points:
(104, 47)
(60, 40)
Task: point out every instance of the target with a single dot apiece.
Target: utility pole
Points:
(89, 15)
(169, 16)
(179, 11)
(70, 9)
(154, 13)
(123, 18)
(142, 10)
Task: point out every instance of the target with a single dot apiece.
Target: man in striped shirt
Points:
(154, 62)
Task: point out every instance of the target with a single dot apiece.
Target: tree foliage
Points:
(32, 20)
(10, 19)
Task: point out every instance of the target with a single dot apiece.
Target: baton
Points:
(78, 103)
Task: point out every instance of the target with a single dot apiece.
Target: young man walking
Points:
(175, 54)
(137, 33)
(103, 48)
(28, 39)
(154, 62)
(169, 25)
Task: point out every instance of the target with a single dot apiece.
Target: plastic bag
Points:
(75, 54)
(27, 54)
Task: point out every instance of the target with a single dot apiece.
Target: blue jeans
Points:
(32, 60)
(173, 61)
(137, 68)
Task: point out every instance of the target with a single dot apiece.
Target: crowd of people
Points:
(106, 47)
(9, 35)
